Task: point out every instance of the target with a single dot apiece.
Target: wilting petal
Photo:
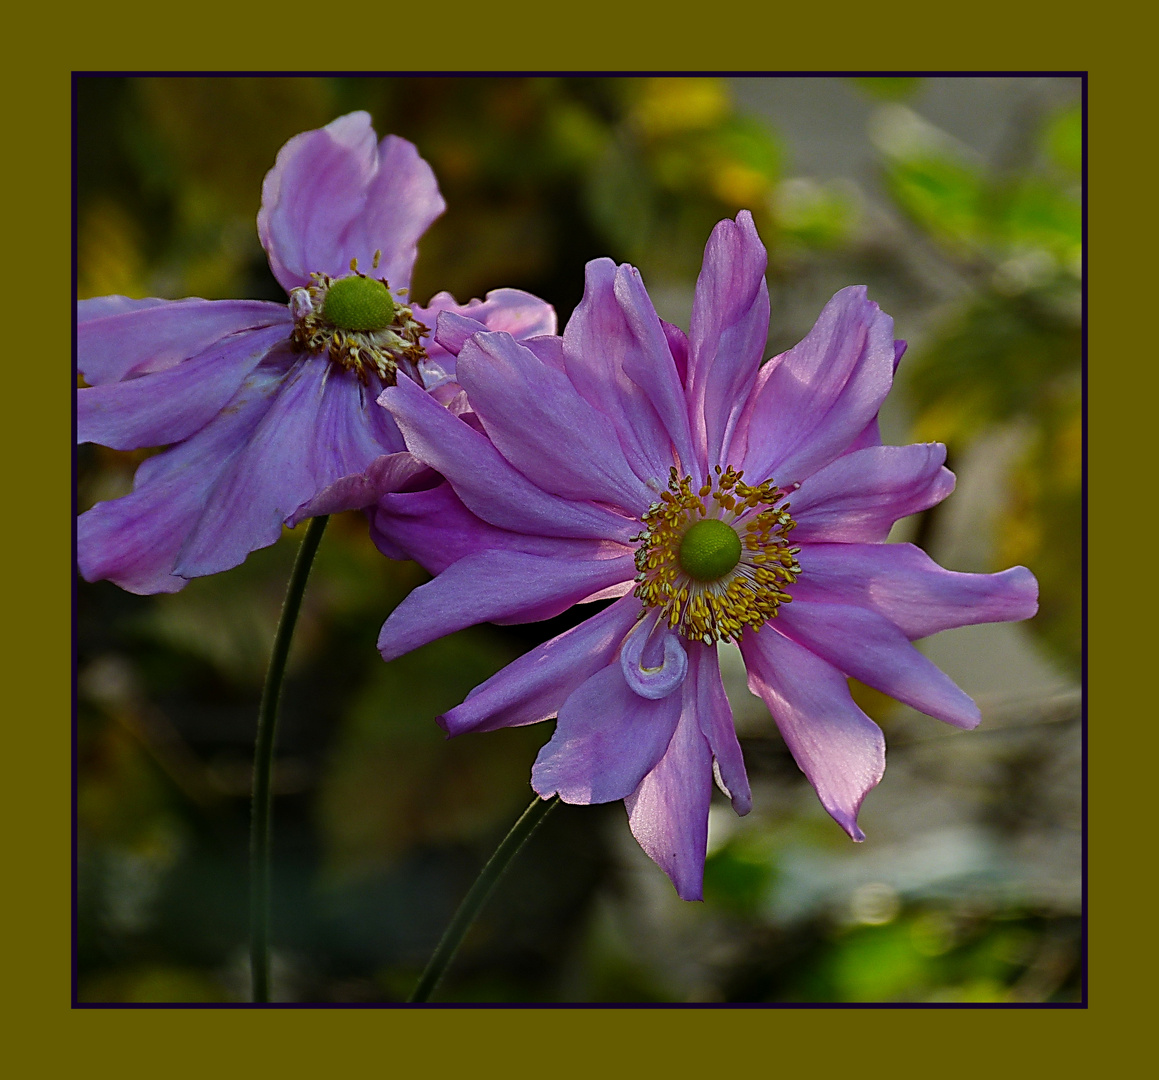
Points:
(869, 647)
(730, 327)
(434, 528)
(170, 405)
(134, 541)
(607, 739)
(858, 497)
(902, 583)
(813, 401)
(485, 481)
(717, 726)
(837, 746)
(653, 659)
(540, 424)
(491, 586)
(534, 687)
(114, 340)
(668, 812)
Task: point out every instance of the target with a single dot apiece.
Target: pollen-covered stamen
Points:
(360, 324)
(716, 560)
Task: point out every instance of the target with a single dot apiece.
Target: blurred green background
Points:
(958, 202)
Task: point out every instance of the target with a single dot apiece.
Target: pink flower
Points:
(718, 500)
(268, 409)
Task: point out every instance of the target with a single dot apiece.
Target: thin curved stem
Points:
(264, 762)
(477, 896)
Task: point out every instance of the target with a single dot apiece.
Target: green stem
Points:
(264, 761)
(477, 896)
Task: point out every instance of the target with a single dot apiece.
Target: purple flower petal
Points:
(615, 328)
(170, 405)
(903, 584)
(607, 739)
(678, 345)
(317, 431)
(668, 812)
(333, 195)
(485, 481)
(401, 203)
(434, 528)
(813, 401)
(716, 724)
(134, 541)
(384, 475)
(534, 687)
(116, 339)
(730, 327)
(512, 311)
(99, 307)
(541, 425)
(495, 585)
(652, 368)
(858, 497)
(837, 746)
(869, 647)
(653, 659)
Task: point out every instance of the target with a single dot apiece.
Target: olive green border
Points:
(593, 36)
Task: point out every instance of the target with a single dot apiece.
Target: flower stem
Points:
(477, 896)
(264, 761)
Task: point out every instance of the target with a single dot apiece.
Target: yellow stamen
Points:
(746, 595)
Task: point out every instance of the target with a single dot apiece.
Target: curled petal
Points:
(653, 660)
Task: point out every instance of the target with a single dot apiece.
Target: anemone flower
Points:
(718, 500)
(268, 410)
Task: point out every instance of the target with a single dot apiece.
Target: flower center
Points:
(360, 325)
(358, 303)
(716, 560)
(709, 550)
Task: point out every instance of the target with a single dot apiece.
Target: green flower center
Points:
(358, 303)
(709, 550)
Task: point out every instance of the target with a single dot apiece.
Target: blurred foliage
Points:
(1010, 351)
(381, 824)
